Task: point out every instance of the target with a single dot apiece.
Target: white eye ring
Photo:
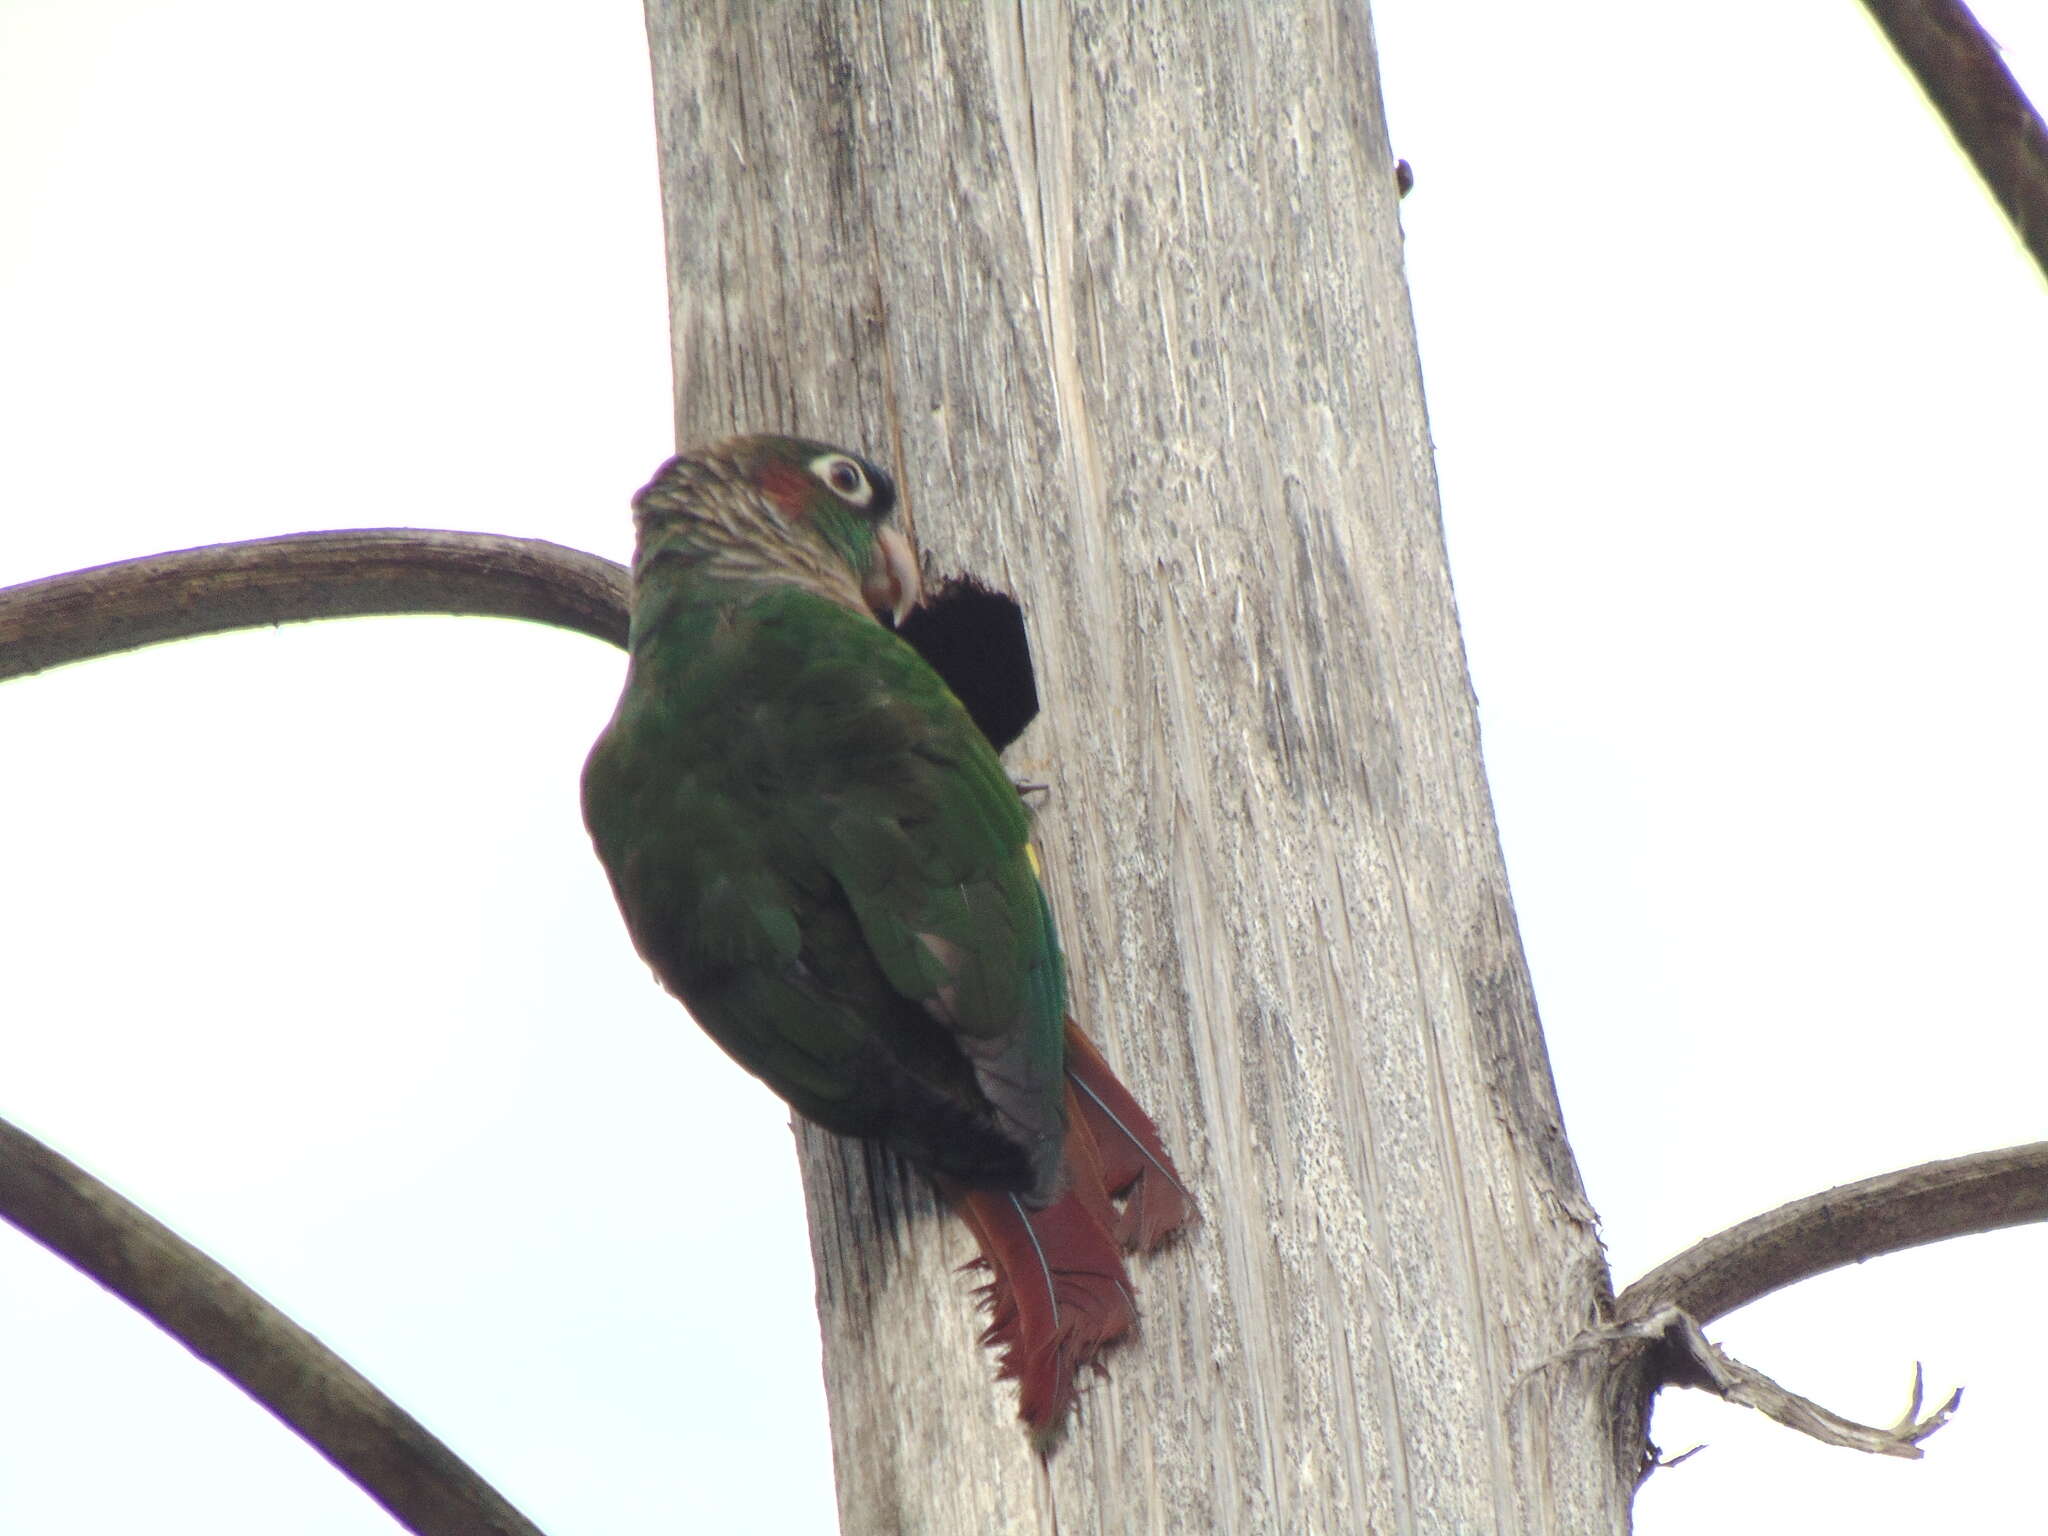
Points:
(844, 477)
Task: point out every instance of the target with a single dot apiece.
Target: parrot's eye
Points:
(847, 479)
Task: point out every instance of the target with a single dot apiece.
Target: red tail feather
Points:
(1058, 1293)
(1135, 1166)
(1058, 1296)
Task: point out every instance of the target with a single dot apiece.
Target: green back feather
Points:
(813, 845)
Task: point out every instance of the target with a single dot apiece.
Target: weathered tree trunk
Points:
(1118, 289)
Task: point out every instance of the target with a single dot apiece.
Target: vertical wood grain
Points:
(1117, 287)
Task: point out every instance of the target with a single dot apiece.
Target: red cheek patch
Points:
(788, 487)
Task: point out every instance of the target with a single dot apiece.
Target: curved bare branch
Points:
(346, 573)
(387, 1453)
(121, 607)
(1844, 1225)
(1958, 66)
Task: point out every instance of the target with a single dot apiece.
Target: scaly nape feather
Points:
(784, 511)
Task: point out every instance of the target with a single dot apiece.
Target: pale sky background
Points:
(1740, 389)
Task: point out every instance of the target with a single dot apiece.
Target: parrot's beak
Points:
(894, 586)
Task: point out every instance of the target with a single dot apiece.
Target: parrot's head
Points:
(779, 509)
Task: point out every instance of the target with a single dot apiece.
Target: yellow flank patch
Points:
(1031, 853)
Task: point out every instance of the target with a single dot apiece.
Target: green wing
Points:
(820, 854)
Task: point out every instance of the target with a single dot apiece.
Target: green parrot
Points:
(818, 852)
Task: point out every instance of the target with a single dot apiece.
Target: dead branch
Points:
(350, 572)
(1654, 1338)
(383, 1449)
(1959, 67)
(1845, 1225)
